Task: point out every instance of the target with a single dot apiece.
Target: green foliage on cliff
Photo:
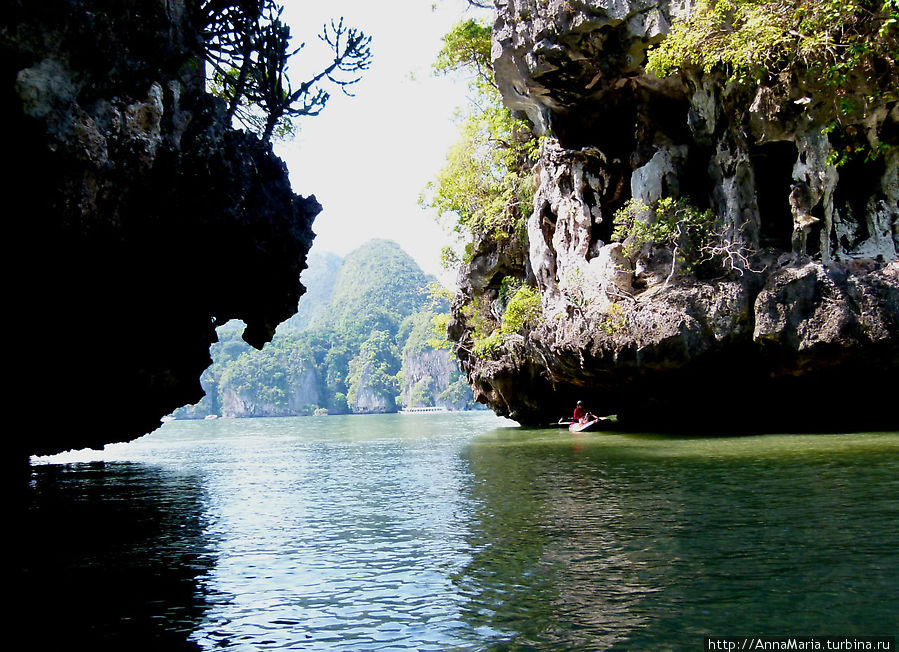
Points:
(269, 375)
(753, 39)
(429, 375)
(843, 53)
(467, 48)
(319, 280)
(422, 335)
(675, 223)
(433, 334)
(521, 312)
(375, 370)
(377, 287)
(487, 185)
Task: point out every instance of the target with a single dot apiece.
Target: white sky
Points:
(367, 158)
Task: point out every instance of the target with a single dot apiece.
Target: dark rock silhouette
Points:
(138, 219)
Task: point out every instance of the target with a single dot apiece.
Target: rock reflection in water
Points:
(111, 554)
(635, 543)
(551, 564)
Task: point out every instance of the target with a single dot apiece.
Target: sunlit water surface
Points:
(459, 532)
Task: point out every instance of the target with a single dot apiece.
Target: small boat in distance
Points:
(422, 410)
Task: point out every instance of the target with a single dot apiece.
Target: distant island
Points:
(362, 341)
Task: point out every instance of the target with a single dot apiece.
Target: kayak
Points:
(585, 426)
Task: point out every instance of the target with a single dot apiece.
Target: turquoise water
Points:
(462, 532)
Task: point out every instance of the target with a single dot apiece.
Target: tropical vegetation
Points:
(355, 345)
(842, 53)
(486, 187)
(753, 40)
(485, 192)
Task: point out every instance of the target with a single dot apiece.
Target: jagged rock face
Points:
(814, 312)
(141, 218)
(575, 69)
(426, 377)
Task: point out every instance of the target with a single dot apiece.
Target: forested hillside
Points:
(319, 281)
(361, 342)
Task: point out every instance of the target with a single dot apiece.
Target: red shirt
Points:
(579, 413)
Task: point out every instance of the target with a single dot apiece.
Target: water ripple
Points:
(457, 532)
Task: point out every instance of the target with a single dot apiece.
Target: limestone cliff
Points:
(431, 378)
(796, 325)
(303, 398)
(139, 218)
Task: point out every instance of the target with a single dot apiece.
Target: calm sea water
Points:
(457, 532)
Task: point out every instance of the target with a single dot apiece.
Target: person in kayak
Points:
(581, 414)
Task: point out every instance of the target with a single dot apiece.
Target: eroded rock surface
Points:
(798, 329)
(138, 218)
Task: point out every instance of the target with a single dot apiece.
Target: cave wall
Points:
(619, 329)
(137, 219)
(575, 69)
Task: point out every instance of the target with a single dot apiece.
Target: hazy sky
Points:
(367, 158)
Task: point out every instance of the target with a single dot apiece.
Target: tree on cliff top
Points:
(486, 187)
(248, 48)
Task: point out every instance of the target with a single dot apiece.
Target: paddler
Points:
(581, 414)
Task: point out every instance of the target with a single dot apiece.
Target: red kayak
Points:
(584, 426)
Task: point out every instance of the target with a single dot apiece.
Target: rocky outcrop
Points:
(141, 220)
(803, 301)
(303, 397)
(430, 379)
(372, 392)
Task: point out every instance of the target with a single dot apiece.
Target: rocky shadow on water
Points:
(111, 558)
